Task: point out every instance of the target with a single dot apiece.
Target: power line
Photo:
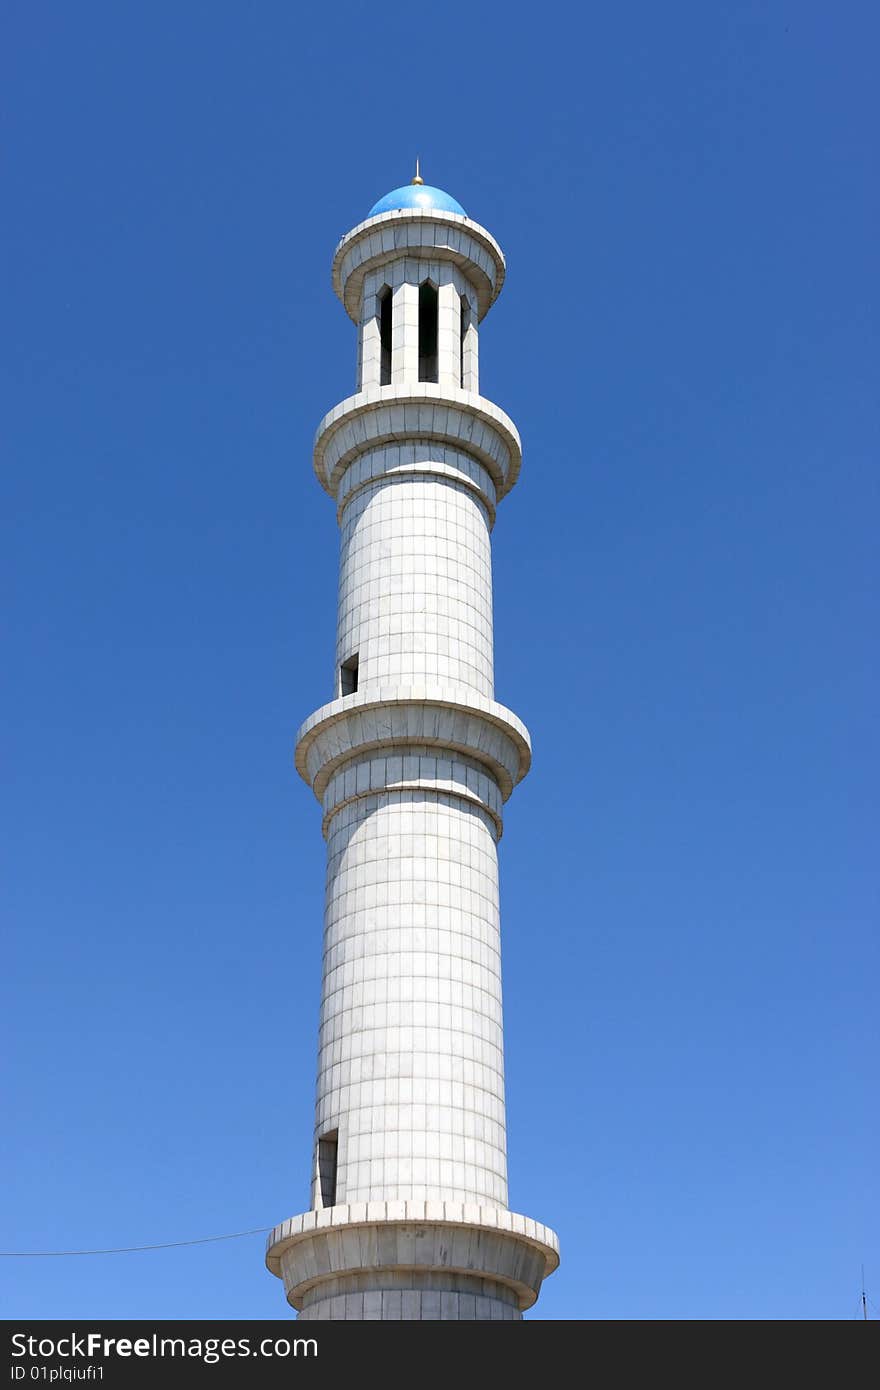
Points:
(129, 1249)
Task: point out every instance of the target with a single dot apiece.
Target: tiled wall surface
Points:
(406, 1304)
(410, 1066)
(415, 584)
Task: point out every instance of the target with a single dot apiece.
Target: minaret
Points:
(412, 761)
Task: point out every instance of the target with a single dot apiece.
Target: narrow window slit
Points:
(328, 1155)
(348, 676)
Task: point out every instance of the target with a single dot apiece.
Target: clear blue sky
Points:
(685, 586)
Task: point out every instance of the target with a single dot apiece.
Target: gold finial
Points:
(418, 178)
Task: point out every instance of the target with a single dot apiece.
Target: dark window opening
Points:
(348, 676)
(385, 337)
(465, 325)
(427, 332)
(328, 1154)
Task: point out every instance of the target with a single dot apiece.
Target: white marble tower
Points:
(412, 761)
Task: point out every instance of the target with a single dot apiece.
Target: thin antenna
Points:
(864, 1299)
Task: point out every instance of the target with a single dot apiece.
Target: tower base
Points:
(411, 1261)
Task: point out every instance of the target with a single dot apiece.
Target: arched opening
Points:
(428, 304)
(384, 298)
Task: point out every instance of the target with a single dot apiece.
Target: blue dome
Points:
(415, 195)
